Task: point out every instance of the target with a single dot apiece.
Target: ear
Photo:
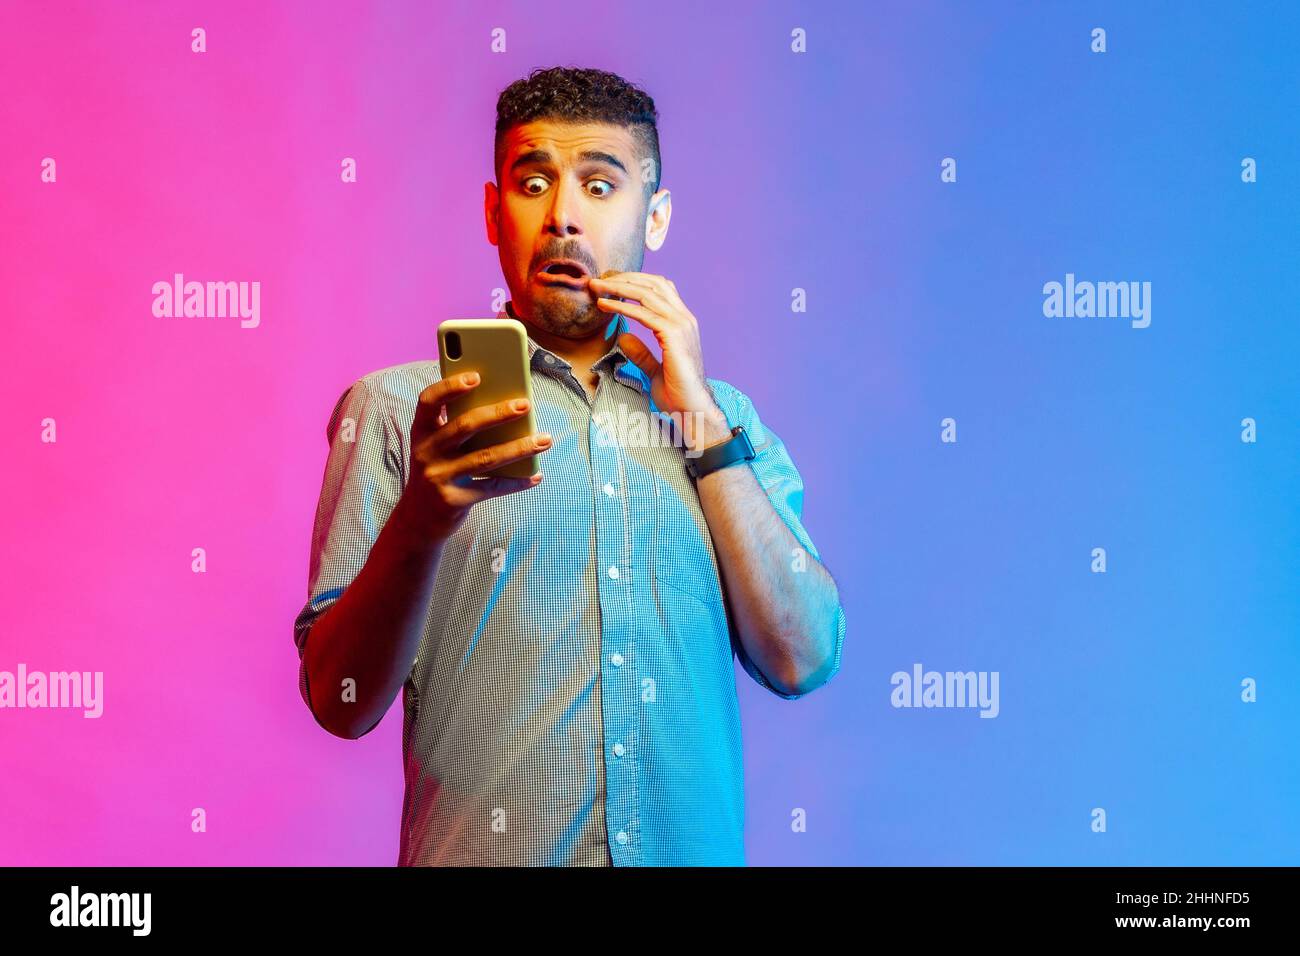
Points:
(659, 211)
(491, 206)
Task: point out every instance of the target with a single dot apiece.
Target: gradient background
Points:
(818, 171)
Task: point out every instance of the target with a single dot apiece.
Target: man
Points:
(564, 644)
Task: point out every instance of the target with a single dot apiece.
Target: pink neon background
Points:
(177, 433)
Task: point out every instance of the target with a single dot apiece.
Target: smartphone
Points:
(498, 350)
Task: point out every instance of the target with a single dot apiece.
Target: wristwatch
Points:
(734, 449)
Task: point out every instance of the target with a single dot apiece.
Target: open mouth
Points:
(563, 272)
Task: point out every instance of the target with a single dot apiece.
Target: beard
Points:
(566, 313)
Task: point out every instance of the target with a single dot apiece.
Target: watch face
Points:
(740, 433)
(736, 448)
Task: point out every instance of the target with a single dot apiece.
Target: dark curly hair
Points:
(580, 96)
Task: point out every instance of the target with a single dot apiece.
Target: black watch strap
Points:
(736, 448)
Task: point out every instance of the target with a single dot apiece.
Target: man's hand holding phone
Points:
(443, 487)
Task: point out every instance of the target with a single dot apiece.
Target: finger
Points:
(459, 429)
(662, 286)
(640, 354)
(651, 320)
(636, 278)
(624, 283)
(645, 294)
(429, 407)
(497, 486)
(494, 456)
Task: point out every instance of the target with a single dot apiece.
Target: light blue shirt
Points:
(573, 700)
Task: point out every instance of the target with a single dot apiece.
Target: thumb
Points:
(640, 355)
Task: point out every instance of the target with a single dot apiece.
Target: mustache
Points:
(577, 255)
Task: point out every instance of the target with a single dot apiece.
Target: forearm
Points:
(372, 633)
(785, 604)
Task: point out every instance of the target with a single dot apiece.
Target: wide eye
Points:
(541, 182)
(607, 187)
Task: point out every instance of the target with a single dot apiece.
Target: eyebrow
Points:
(541, 157)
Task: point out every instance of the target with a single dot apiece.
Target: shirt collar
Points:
(615, 360)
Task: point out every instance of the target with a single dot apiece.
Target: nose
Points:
(563, 217)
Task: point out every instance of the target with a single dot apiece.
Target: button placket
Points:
(619, 695)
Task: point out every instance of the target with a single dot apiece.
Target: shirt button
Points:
(621, 837)
(618, 750)
(613, 571)
(609, 489)
(616, 659)
(548, 359)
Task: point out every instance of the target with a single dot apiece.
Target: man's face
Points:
(567, 191)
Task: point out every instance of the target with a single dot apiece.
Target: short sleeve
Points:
(362, 484)
(779, 478)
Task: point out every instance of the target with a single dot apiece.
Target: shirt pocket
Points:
(684, 559)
